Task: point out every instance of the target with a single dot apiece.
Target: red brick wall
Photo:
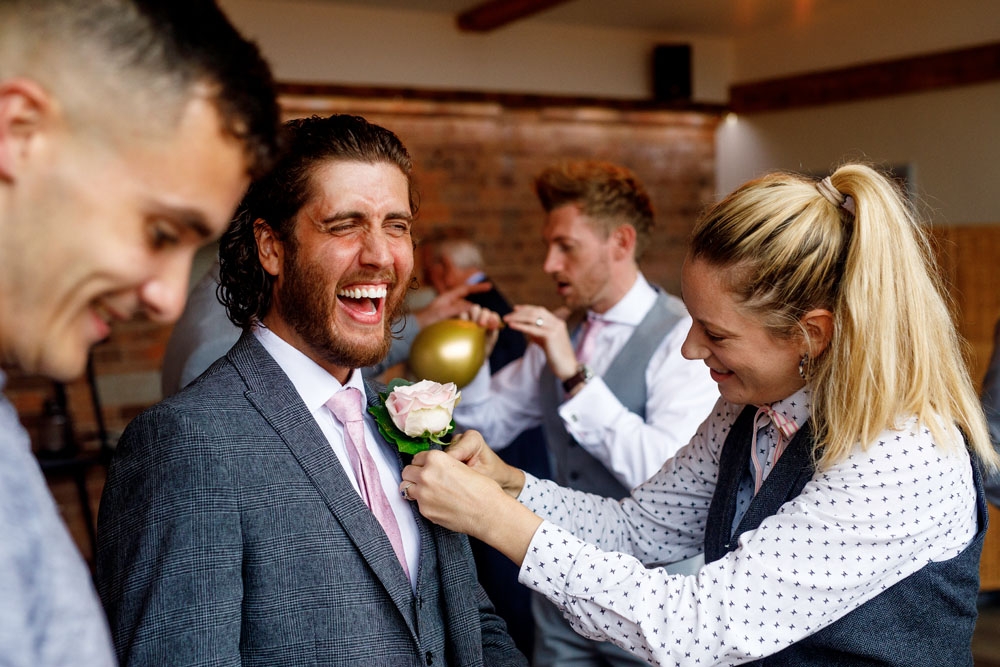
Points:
(474, 164)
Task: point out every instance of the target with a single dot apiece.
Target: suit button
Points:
(429, 657)
(574, 476)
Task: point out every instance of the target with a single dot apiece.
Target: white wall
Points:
(950, 138)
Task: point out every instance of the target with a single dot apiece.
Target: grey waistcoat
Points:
(626, 378)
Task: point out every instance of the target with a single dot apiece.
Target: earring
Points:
(802, 366)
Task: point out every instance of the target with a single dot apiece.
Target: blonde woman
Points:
(836, 500)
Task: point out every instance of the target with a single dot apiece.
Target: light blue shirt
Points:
(49, 611)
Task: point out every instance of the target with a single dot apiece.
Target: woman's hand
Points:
(472, 450)
(452, 494)
(449, 493)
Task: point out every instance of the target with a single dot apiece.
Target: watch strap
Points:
(582, 375)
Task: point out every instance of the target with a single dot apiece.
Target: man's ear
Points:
(623, 240)
(270, 250)
(25, 110)
(818, 325)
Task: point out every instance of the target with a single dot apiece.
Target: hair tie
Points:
(835, 196)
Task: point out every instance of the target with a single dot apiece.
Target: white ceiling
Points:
(711, 18)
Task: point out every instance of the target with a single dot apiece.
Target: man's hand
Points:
(547, 329)
(448, 304)
(487, 319)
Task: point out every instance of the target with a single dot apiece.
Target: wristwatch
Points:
(582, 376)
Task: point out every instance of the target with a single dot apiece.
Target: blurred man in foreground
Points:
(128, 133)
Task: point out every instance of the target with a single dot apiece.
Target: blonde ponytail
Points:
(850, 244)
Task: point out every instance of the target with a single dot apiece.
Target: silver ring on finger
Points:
(406, 491)
(539, 322)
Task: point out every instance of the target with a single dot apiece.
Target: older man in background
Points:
(451, 259)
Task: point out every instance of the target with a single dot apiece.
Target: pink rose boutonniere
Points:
(412, 416)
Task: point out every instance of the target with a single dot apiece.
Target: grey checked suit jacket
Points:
(229, 534)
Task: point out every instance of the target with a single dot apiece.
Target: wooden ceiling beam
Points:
(933, 71)
(496, 13)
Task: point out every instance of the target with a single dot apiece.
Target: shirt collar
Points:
(796, 407)
(313, 383)
(475, 278)
(632, 307)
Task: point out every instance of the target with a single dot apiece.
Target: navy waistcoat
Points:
(924, 620)
(626, 378)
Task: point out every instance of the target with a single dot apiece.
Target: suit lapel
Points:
(456, 586)
(271, 392)
(451, 553)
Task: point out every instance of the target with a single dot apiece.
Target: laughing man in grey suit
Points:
(232, 531)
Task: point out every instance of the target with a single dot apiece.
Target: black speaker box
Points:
(672, 72)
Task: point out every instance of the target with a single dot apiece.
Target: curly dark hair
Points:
(610, 194)
(245, 288)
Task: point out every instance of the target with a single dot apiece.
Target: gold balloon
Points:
(448, 351)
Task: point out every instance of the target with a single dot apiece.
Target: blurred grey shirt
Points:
(991, 406)
(49, 611)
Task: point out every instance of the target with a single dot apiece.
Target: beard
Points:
(307, 301)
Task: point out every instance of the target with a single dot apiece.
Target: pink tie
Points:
(346, 406)
(585, 350)
(785, 427)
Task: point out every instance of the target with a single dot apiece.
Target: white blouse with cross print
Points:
(856, 529)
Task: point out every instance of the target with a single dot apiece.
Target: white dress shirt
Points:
(315, 386)
(680, 394)
(856, 529)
